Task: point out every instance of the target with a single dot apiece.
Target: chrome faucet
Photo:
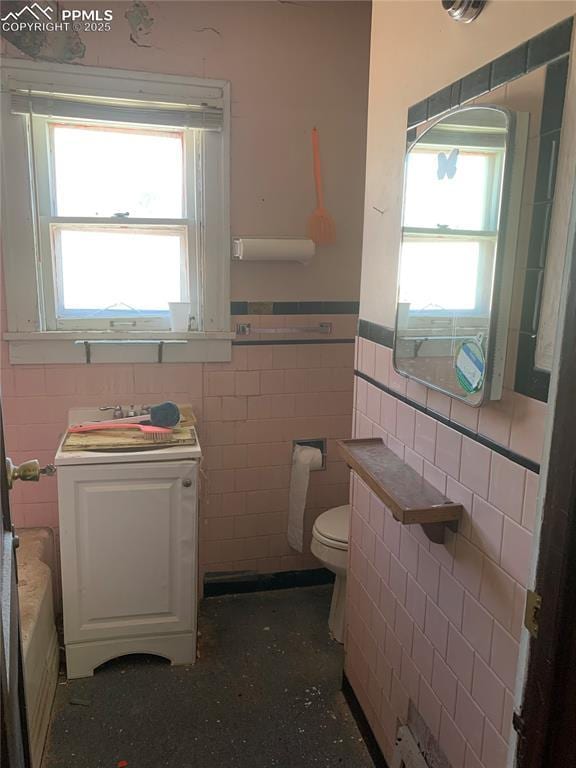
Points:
(118, 412)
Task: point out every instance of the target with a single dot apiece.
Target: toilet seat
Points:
(332, 527)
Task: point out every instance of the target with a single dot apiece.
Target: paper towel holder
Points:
(317, 442)
(276, 249)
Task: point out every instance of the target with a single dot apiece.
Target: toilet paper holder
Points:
(317, 442)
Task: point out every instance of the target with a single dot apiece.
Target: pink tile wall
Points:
(440, 624)
(249, 411)
(515, 421)
(253, 409)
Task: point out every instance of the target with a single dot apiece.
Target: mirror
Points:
(459, 229)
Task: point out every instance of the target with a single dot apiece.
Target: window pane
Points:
(104, 171)
(441, 275)
(433, 199)
(107, 272)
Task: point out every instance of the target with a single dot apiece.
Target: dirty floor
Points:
(264, 693)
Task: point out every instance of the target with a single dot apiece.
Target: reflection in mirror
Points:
(454, 232)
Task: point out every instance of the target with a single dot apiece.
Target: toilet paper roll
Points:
(304, 459)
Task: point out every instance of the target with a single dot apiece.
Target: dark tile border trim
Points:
(539, 51)
(286, 342)
(363, 725)
(476, 436)
(550, 49)
(377, 333)
(241, 582)
(294, 307)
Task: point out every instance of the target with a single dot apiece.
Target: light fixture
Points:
(464, 10)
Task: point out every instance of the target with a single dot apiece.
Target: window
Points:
(117, 224)
(450, 259)
(448, 271)
(124, 207)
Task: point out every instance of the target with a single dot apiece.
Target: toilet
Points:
(330, 545)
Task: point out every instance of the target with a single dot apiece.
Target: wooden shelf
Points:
(410, 498)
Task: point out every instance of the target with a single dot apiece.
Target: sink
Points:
(153, 453)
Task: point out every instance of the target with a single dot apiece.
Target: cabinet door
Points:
(129, 542)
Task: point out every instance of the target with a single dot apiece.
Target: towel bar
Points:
(245, 329)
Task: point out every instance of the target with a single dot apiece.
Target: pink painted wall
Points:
(439, 625)
(291, 67)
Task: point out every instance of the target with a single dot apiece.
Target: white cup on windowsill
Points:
(179, 315)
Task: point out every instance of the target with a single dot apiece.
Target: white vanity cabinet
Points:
(128, 538)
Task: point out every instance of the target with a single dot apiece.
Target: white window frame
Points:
(487, 243)
(26, 218)
(487, 237)
(44, 167)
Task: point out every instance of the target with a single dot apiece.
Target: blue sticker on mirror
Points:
(470, 366)
(447, 164)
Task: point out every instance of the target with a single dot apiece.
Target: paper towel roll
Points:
(273, 249)
(304, 459)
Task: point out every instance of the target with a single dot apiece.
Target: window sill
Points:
(113, 336)
(69, 347)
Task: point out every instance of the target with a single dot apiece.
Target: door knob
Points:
(187, 483)
(27, 471)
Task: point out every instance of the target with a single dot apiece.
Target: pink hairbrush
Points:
(150, 432)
